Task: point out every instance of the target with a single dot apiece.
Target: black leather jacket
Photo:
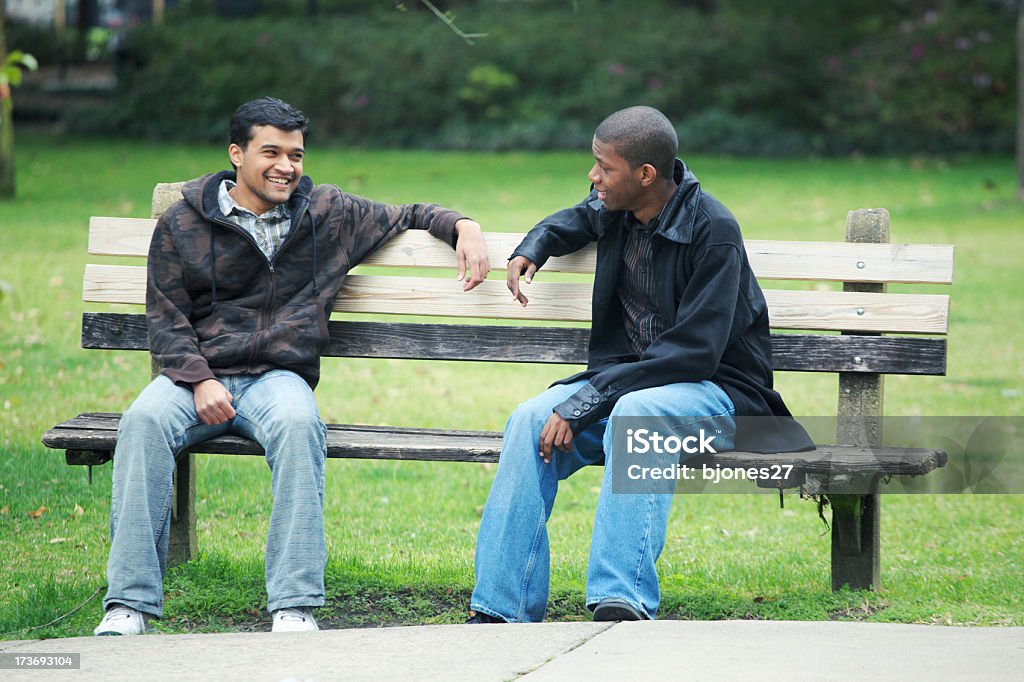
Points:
(715, 310)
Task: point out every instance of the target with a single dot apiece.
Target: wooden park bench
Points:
(865, 350)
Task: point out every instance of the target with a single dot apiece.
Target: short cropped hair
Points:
(265, 111)
(642, 135)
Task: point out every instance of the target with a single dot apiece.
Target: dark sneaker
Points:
(616, 609)
(478, 617)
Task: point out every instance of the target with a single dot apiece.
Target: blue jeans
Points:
(275, 409)
(512, 552)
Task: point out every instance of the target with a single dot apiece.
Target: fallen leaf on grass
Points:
(37, 513)
(4, 509)
(78, 510)
(54, 541)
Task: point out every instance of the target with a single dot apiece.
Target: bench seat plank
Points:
(557, 345)
(96, 432)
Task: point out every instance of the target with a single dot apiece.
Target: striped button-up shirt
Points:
(269, 229)
(637, 287)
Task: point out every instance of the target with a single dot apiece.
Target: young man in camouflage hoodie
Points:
(242, 275)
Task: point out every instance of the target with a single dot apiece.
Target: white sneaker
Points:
(122, 620)
(295, 619)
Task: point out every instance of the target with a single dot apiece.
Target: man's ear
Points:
(648, 174)
(235, 154)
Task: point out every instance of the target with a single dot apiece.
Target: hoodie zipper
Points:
(288, 237)
(265, 313)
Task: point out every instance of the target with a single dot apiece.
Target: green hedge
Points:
(776, 78)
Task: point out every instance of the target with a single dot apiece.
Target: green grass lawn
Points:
(401, 535)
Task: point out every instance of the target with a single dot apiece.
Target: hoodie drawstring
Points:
(316, 287)
(213, 270)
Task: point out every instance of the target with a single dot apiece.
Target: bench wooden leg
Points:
(856, 541)
(855, 518)
(183, 542)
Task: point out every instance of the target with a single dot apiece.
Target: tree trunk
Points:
(6, 121)
(88, 16)
(1020, 101)
(60, 18)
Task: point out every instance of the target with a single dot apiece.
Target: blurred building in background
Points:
(85, 14)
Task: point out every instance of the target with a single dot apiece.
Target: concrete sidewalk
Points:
(717, 650)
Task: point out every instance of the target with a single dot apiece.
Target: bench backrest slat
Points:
(861, 312)
(557, 345)
(770, 260)
(570, 301)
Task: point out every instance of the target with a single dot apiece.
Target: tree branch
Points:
(468, 37)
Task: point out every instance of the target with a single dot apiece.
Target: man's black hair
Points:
(266, 111)
(642, 135)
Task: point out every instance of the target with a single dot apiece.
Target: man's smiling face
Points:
(617, 185)
(269, 168)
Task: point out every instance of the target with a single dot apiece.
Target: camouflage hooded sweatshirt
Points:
(216, 305)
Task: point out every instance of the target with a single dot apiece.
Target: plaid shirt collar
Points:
(230, 207)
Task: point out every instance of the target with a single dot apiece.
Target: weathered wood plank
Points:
(105, 424)
(570, 301)
(110, 236)
(881, 354)
(97, 421)
(842, 311)
(165, 194)
(554, 345)
(841, 261)
(551, 301)
(99, 431)
(770, 259)
(856, 519)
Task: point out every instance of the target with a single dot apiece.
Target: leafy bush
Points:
(723, 132)
(773, 78)
(940, 76)
(71, 47)
(40, 41)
